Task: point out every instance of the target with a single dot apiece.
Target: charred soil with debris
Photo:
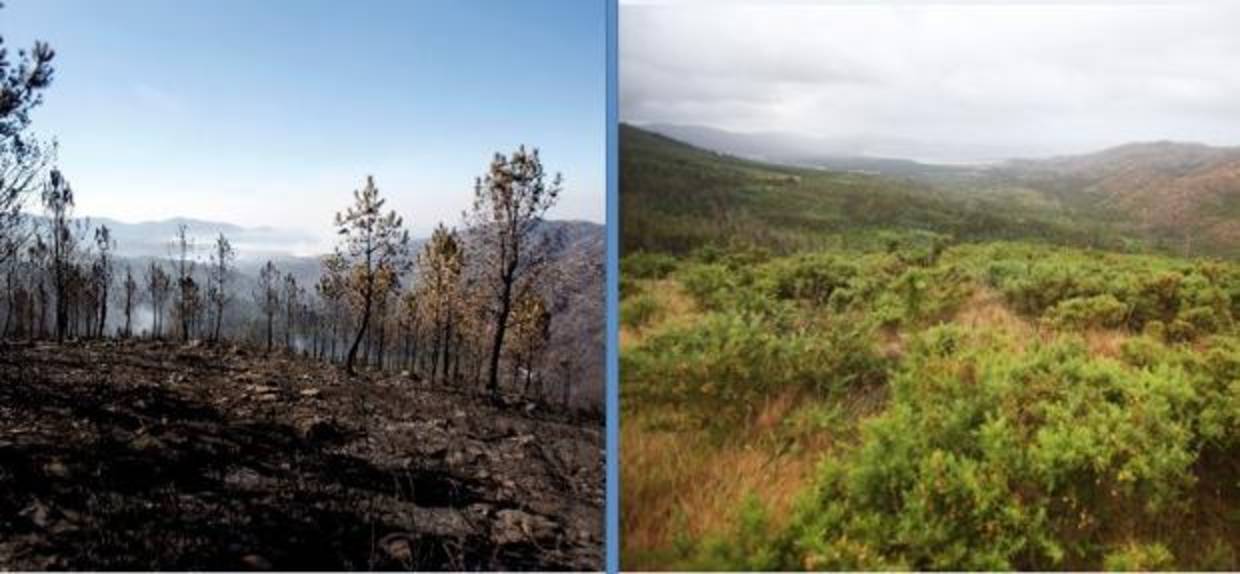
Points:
(145, 455)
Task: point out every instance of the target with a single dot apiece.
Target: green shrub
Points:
(1202, 295)
(629, 287)
(745, 258)
(1156, 330)
(726, 362)
(639, 311)
(1219, 368)
(647, 265)
(1157, 298)
(812, 278)
(1220, 557)
(1204, 319)
(1180, 331)
(709, 284)
(1145, 351)
(1086, 312)
(1139, 558)
(751, 544)
(985, 460)
(991, 453)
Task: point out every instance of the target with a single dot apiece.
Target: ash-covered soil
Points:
(160, 456)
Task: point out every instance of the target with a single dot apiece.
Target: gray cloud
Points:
(1019, 78)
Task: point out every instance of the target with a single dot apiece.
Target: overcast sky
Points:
(1023, 79)
(271, 113)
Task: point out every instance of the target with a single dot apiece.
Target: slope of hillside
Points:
(677, 197)
(1172, 197)
(994, 406)
(846, 371)
(574, 249)
(140, 455)
(1186, 194)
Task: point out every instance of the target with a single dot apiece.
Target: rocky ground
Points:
(160, 456)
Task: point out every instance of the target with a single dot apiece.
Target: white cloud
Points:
(1034, 77)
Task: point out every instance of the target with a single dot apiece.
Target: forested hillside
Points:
(171, 402)
(574, 251)
(959, 370)
(1177, 198)
(677, 198)
(1185, 197)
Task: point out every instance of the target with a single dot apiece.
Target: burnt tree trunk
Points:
(361, 331)
(501, 327)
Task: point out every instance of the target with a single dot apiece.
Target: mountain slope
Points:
(146, 455)
(1183, 192)
(575, 249)
(1172, 197)
(676, 197)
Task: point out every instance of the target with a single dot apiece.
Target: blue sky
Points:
(272, 112)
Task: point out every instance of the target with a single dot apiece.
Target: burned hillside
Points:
(148, 455)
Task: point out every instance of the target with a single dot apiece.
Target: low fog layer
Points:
(155, 238)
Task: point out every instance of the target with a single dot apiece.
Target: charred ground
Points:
(145, 455)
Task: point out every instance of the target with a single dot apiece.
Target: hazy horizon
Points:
(272, 114)
(259, 241)
(925, 152)
(966, 81)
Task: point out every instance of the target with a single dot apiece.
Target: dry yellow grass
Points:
(1106, 342)
(986, 312)
(675, 481)
(678, 482)
(678, 311)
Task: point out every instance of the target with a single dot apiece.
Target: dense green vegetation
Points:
(958, 400)
(677, 198)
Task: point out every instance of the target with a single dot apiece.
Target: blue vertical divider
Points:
(612, 526)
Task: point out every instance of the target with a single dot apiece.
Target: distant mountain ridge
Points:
(1172, 196)
(1188, 191)
(841, 153)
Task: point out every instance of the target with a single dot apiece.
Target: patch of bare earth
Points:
(156, 456)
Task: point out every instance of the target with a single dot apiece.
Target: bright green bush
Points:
(724, 363)
(1139, 558)
(639, 311)
(1085, 312)
(647, 265)
(752, 544)
(709, 284)
(985, 460)
(1073, 289)
(990, 453)
(925, 295)
(745, 258)
(812, 278)
(1219, 369)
